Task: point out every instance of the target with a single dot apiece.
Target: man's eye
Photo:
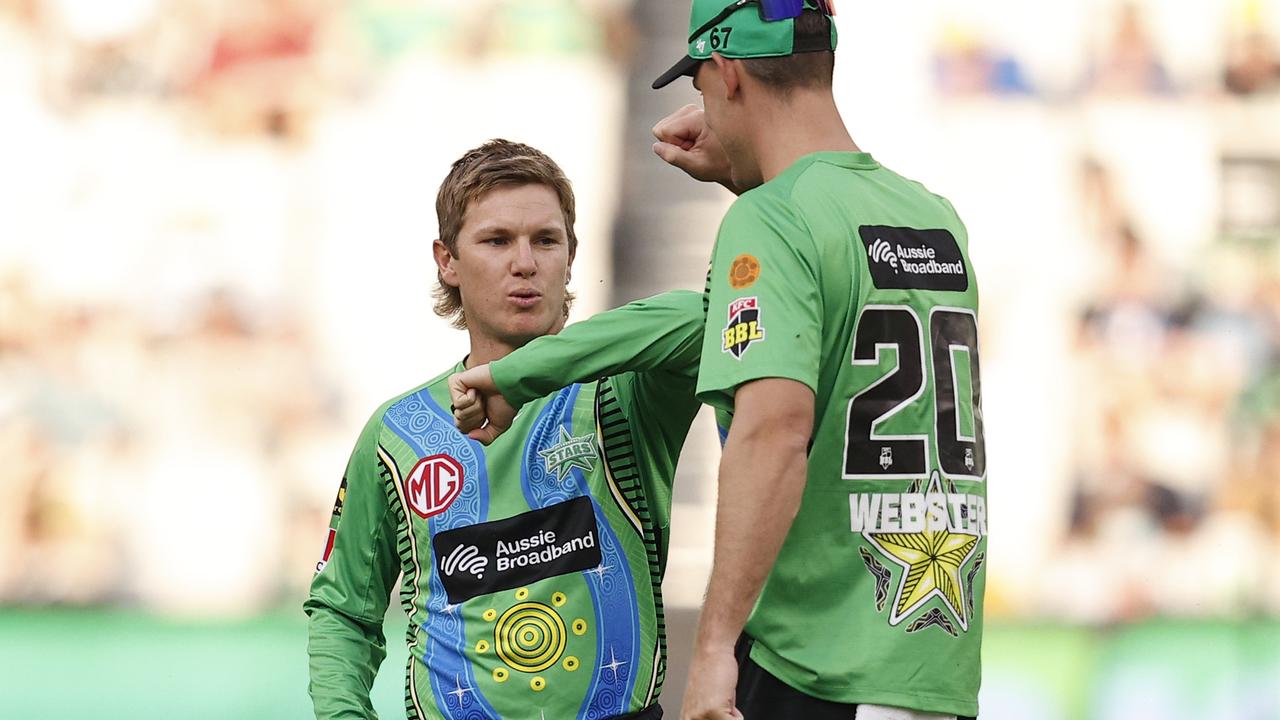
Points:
(496, 241)
(548, 241)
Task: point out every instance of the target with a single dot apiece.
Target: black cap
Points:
(684, 66)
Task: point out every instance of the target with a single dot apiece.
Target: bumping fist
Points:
(479, 409)
(685, 141)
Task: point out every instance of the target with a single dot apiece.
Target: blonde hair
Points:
(495, 164)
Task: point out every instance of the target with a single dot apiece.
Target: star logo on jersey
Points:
(571, 452)
(932, 557)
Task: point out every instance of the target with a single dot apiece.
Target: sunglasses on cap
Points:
(770, 11)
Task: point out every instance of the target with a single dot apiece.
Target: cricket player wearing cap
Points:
(841, 333)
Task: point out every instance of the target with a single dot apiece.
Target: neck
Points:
(785, 130)
(486, 349)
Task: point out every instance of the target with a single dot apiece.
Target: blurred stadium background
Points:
(215, 226)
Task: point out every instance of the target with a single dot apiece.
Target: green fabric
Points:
(840, 617)
(650, 347)
(346, 607)
(605, 622)
(147, 667)
(744, 34)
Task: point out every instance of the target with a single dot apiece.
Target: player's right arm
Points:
(659, 336)
(351, 590)
(685, 142)
(662, 333)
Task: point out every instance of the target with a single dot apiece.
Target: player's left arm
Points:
(762, 477)
(760, 360)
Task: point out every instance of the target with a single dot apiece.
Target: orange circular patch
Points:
(744, 272)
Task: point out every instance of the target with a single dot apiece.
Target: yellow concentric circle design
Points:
(482, 647)
(490, 614)
(538, 684)
(501, 674)
(558, 599)
(522, 593)
(579, 627)
(530, 637)
(571, 663)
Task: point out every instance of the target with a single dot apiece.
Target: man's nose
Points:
(523, 263)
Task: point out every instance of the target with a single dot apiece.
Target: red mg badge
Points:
(433, 485)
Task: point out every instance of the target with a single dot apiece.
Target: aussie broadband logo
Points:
(910, 259)
(464, 558)
(504, 554)
(882, 252)
(540, 548)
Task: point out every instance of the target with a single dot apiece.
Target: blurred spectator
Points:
(1129, 63)
(967, 66)
(261, 75)
(1253, 66)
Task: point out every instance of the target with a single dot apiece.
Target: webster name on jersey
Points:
(912, 512)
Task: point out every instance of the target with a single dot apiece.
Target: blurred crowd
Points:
(1175, 508)
(140, 456)
(191, 243)
(266, 66)
(1126, 59)
(190, 251)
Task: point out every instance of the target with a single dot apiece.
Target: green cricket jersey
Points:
(844, 276)
(532, 567)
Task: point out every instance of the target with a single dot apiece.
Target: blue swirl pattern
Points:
(428, 430)
(613, 594)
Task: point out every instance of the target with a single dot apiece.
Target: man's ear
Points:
(730, 74)
(444, 264)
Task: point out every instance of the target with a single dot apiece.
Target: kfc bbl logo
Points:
(744, 326)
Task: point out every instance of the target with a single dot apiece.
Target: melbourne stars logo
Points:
(932, 555)
(571, 452)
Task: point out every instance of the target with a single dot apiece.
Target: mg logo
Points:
(432, 485)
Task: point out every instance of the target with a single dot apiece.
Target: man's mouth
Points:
(524, 298)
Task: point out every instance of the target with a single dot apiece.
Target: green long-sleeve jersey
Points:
(531, 568)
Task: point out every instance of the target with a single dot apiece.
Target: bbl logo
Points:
(744, 326)
(432, 485)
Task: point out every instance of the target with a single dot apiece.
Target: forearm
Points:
(762, 478)
(344, 655)
(658, 333)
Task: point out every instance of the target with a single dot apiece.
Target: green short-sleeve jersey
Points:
(531, 568)
(844, 276)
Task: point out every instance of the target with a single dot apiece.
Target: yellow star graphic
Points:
(932, 559)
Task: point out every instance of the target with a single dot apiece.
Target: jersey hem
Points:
(920, 701)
